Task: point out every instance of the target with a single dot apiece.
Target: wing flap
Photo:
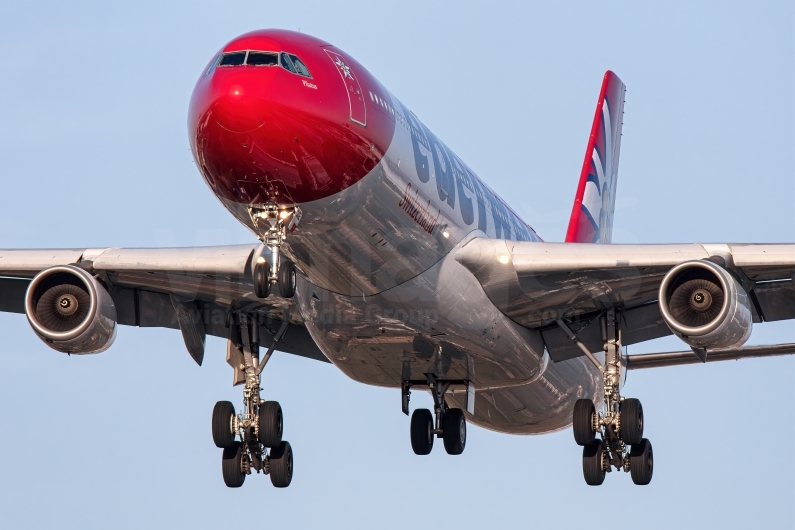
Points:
(638, 325)
(677, 358)
(776, 300)
(219, 289)
(12, 294)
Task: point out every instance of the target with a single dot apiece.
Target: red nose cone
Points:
(265, 134)
(236, 113)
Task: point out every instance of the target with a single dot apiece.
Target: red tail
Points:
(592, 215)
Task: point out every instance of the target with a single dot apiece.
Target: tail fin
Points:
(592, 216)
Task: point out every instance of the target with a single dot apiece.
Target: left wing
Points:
(192, 289)
(539, 284)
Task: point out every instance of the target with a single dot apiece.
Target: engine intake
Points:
(705, 306)
(70, 310)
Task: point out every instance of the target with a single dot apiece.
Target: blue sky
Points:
(94, 153)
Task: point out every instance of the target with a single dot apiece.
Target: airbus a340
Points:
(383, 253)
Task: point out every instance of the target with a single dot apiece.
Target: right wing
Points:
(193, 289)
(537, 284)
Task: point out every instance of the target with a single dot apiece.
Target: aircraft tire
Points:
(222, 424)
(231, 467)
(281, 465)
(287, 279)
(592, 469)
(454, 428)
(422, 431)
(261, 277)
(641, 462)
(631, 421)
(582, 417)
(271, 424)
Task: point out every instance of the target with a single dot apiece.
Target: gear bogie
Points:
(259, 426)
(619, 423)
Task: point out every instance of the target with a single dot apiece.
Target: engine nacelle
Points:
(70, 311)
(705, 306)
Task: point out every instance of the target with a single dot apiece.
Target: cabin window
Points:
(233, 59)
(262, 59)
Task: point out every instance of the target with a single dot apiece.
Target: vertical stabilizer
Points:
(592, 215)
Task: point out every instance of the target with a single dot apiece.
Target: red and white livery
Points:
(382, 252)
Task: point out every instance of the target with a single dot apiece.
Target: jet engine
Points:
(70, 310)
(705, 306)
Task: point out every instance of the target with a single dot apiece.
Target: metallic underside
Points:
(442, 323)
(386, 301)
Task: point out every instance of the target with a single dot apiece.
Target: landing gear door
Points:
(355, 95)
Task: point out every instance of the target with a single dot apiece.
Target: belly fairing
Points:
(441, 322)
(542, 406)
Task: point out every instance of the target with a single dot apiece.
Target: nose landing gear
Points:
(259, 426)
(273, 223)
(620, 422)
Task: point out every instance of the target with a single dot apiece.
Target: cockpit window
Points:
(233, 59)
(212, 65)
(262, 59)
(300, 67)
(294, 64)
(287, 63)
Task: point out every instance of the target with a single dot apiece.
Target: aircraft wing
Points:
(537, 284)
(191, 289)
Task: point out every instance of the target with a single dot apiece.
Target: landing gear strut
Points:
(619, 422)
(259, 426)
(274, 222)
(446, 423)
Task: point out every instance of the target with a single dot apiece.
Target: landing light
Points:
(446, 234)
(284, 214)
(504, 259)
(260, 260)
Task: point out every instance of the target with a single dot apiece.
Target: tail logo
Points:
(592, 216)
(599, 195)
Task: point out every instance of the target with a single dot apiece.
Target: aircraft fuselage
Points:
(384, 205)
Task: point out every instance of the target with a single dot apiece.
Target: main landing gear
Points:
(446, 423)
(259, 426)
(620, 422)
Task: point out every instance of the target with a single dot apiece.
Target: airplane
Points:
(381, 252)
